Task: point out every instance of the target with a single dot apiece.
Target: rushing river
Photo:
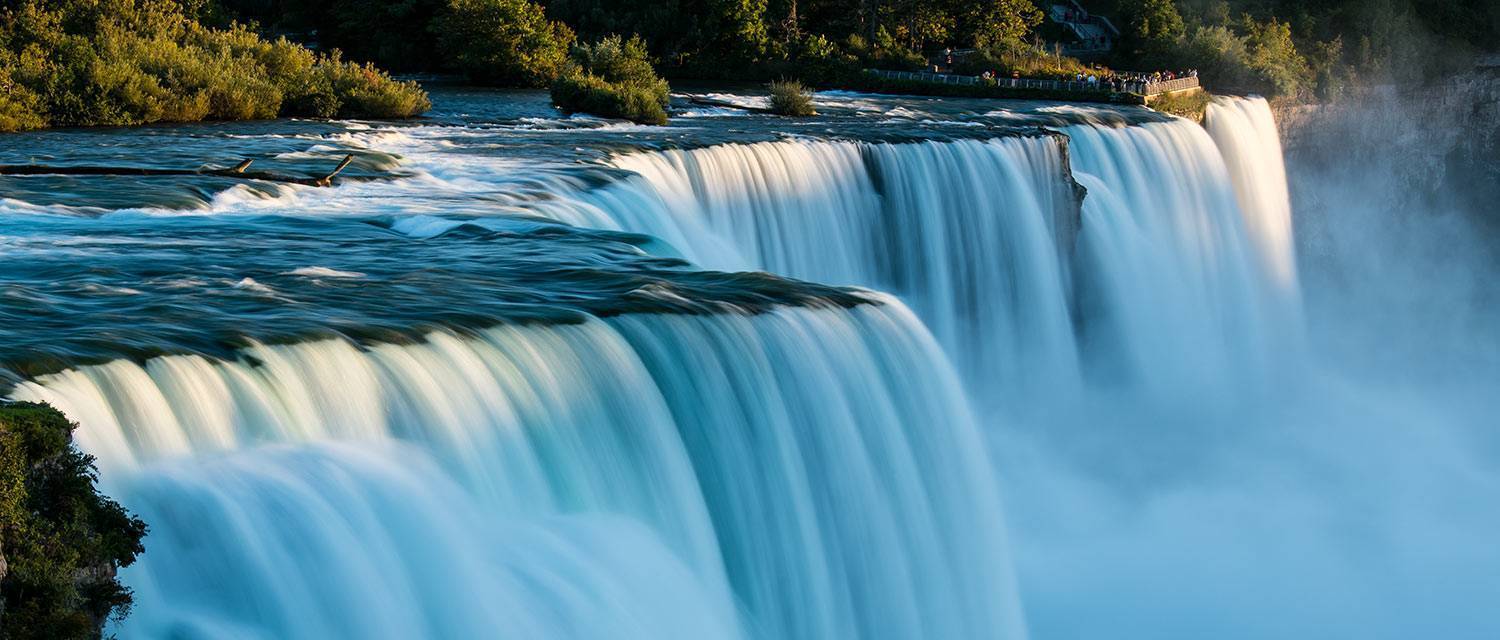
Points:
(916, 368)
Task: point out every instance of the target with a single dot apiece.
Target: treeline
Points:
(731, 39)
(1304, 49)
(84, 62)
(121, 62)
(1276, 47)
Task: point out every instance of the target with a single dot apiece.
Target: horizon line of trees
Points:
(86, 62)
(1276, 47)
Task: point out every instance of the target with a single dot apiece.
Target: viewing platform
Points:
(1085, 91)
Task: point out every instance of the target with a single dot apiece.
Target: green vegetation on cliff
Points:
(122, 62)
(60, 540)
(1296, 49)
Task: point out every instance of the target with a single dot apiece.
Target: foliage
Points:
(60, 538)
(1028, 61)
(118, 62)
(1152, 31)
(1002, 21)
(1273, 58)
(883, 52)
(613, 78)
(1300, 49)
(1187, 104)
(736, 30)
(507, 42)
(790, 98)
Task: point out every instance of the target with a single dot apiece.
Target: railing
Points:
(1143, 88)
(1166, 86)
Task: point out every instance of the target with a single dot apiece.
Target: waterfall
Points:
(801, 473)
(1173, 291)
(1246, 134)
(1179, 271)
(973, 234)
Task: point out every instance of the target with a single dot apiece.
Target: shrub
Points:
(1029, 61)
(587, 93)
(61, 539)
(789, 98)
(1189, 104)
(118, 62)
(613, 78)
(507, 42)
(884, 53)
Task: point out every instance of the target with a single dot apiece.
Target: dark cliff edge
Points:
(61, 541)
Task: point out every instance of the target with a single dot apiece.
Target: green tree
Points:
(1153, 30)
(60, 540)
(505, 42)
(1274, 59)
(998, 21)
(736, 30)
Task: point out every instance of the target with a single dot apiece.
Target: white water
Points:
(1162, 286)
(799, 474)
(1174, 466)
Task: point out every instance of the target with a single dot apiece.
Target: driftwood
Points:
(710, 102)
(237, 172)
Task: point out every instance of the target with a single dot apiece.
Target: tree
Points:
(736, 29)
(1274, 58)
(507, 42)
(1153, 30)
(999, 21)
(61, 541)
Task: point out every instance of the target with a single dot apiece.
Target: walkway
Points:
(1137, 88)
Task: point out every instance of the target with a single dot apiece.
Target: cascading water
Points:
(816, 471)
(545, 431)
(971, 233)
(1173, 291)
(1165, 285)
(1245, 132)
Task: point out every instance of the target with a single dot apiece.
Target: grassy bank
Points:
(60, 540)
(119, 62)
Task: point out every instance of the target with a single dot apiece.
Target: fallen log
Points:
(711, 102)
(237, 172)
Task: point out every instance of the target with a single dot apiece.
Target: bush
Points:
(61, 540)
(613, 78)
(117, 62)
(789, 98)
(1029, 61)
(505, 42)
(1189, 104)
(884, 53)
(586, 93)
(1259, 58)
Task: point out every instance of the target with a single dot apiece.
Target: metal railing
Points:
(1143, 88)
(1166, 86)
